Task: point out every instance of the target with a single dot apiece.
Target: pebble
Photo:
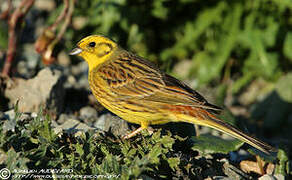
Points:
(62, 118)
(88, 115)
(272, 177)
(43, 91)
(100, 123)
(106, 122)
(88, 112)
(72, 126)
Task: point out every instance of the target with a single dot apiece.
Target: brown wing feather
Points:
(132, 77)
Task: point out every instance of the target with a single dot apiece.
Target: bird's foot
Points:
(135, 132)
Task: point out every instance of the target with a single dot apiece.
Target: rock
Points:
(8, 115)
(45, 90)
(116, 125)
(88, 115)
(88, 112)
(10, 120)
(62, 118)
(54, 123)
(10, 123)
(100, 123)
(272, 177)
(72, 126)
(220, 178)
(233, 172)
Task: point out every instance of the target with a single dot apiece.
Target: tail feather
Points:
(213, 108)
(213, 122)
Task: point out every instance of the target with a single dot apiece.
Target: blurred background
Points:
(236, 53)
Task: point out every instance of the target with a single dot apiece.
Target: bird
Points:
(136, 90)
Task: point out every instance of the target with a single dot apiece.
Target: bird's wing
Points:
(133, 78)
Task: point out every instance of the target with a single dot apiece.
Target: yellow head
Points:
(94, 49)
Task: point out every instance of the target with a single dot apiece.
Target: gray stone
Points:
(88, 112)
(64, 117)
(221, 178)
(118, 126)
(233, 172)
(10, 120)
(45, 90)
(272, 177)
(72, 126)
(8, 115)
(100, 123)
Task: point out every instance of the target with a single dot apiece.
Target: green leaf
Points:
(227, 42)
(159, 10)
(166, 141)
(242, 81)
(287, 48)
(283, 166)
(284, 87)
(173, 163)
(79, 149)
(154, 153)
(208, 144)
(34, 140)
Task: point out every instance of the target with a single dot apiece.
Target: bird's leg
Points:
(197, 130)
(133, 133)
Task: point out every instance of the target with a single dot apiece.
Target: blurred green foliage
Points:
(3, 35)
(253, 36)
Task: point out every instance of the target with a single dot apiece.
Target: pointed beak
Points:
(75, 51)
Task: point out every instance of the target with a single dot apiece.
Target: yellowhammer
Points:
(137, 91)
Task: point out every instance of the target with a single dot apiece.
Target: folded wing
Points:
(131, 77)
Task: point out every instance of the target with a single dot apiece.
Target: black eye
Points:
(91, 44)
